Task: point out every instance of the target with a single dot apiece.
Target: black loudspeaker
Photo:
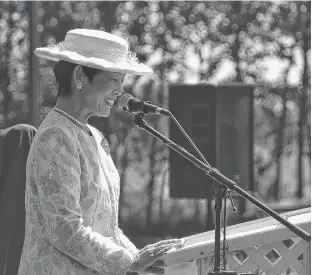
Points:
(219, 120)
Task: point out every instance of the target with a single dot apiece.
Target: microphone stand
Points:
(220, 193)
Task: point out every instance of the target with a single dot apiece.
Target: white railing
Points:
(262, 246)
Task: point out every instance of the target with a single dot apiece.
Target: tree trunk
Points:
(309, 137)
(6, 98)
(150, 187)
(237, 27)
(4, 68)
(152, 156)
(280, 147)
(303, 99)
(124, 160)
(108, 10)
(300, 145)
(33, 68)
(236, 57)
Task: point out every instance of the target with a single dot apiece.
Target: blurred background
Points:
(266, 45)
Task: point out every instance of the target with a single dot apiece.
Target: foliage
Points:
(13, 65)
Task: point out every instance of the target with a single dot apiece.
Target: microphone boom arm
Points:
(214, 173)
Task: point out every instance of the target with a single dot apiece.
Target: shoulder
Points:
(54, 138)
(55, 126)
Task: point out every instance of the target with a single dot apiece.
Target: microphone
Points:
(128, 103)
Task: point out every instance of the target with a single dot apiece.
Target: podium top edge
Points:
(230, 84)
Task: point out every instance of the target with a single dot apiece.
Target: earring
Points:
(79, 85)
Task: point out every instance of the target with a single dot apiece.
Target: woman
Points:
(72, 185)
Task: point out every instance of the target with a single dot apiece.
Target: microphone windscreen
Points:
(124, 100)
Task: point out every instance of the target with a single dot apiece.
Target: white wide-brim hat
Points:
(95, 49)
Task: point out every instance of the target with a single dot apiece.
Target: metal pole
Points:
(217, 208)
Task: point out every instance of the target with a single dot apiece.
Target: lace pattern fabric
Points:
(71, 201)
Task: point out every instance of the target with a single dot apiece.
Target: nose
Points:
(118, 89)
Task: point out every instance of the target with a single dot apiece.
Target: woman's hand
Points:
(151, 253)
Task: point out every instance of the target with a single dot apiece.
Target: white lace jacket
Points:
(71, 201)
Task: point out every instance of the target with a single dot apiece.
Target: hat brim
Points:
(126, 67)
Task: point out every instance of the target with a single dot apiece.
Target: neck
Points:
(73, 108)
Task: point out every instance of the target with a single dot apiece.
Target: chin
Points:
(103, 114)
(103, 110)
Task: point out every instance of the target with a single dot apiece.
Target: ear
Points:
(78, 76)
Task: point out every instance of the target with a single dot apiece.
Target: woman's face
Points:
(101, 93)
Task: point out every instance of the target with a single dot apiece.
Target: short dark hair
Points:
(63, 71)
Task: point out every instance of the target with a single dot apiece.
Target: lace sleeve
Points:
(127, 243)
(57, 175)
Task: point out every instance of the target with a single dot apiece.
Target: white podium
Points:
(262, 245)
